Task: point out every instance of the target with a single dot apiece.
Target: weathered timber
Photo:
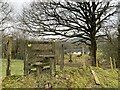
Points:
(111, 63)
(62, 57)
(114, 63)
(9, 51)
(83, 55)
(95, 77)
(38, 55)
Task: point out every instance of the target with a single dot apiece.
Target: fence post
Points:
(51, 67)
(83, 51)
(111, 63)
(53, 61)
(114, 63)
(54, 44)
(83, 55)
(9, 51)
(26, 64)
(62, 57)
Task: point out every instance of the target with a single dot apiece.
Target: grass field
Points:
(73, 77)
(17, 67)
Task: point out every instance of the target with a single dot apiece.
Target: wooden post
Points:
(51, 67)
(54, 53)
(83, 55)
(111, 64)
(9, 50)
(62, 58)
(95, 76)
(39, 70)
(83, 51)
(70, 57)
(114, 63)
(26, 60)
(26, 65)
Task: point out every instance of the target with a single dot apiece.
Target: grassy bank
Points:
(72, 77)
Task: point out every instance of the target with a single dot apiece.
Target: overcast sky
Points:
(19, 4)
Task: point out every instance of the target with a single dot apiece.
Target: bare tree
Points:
(108, 45)
(5, 15)
(69, 19)
(5, 18)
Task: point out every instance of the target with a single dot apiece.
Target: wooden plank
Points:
(40, 64)
(36, 48)
(50, 56)
(36, 54)
(32, 60)
(40, 42)
(95, 77)
(40, 58)
(41, 46)
(42, 50)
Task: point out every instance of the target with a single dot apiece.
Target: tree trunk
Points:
(93, 49)
(92, 37)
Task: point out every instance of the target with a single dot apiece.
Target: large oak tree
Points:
(70, 19)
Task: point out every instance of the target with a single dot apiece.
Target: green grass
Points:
(108, 78)
(16, 67)
(72, 77)
(76, 60)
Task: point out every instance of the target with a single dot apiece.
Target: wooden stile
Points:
(40, 54)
